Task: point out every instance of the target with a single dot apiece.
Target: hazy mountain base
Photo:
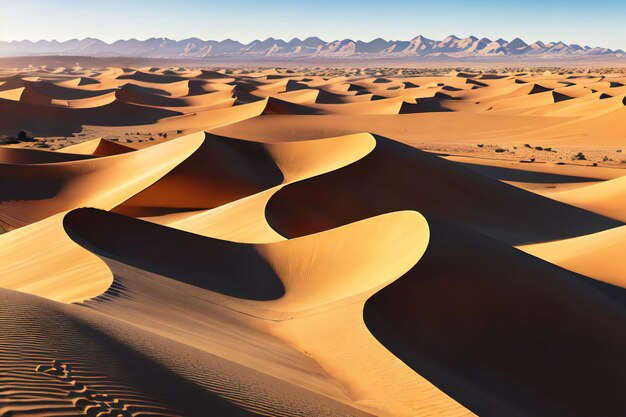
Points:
(504, 63)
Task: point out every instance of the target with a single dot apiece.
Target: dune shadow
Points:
(518, 175)
(44, 120)
(505, 333)
(229, 268)
(396, 177)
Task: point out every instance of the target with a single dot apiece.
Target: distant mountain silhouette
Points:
(452, 47)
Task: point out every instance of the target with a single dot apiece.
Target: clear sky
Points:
(594, 23)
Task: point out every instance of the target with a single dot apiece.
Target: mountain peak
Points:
(419, 46)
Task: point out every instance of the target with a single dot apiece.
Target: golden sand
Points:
(308, 242)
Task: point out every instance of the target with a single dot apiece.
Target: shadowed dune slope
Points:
(138, 95)
(63, 121)
(461, 127)
(386, 106)
(221, 170)
(152, 78)
(97, 147)
(505, 333)
(244, 220)
(225, 267)
(429, 185)
(599, 255)
(290, 276)
(208, 119)
(607, 198)
(34, 156)
(327, 277)
(32, 192)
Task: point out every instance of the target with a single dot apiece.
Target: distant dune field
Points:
(178, 241)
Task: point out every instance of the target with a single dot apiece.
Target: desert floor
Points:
(312, 241)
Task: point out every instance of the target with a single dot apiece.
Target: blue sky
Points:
(599, 23)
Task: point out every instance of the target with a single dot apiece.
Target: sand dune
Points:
(505, 311)
(410, 128)
(311, 241)
(583, 254)
(221, 170)
(312, 271)
(96, 147)
(32, 156)
(244, 220)
(35, 191)
(483, 204)
(63, 121)
(606, 198)
(84, 362)
(202, 101)
(386, 106)
(40, 259)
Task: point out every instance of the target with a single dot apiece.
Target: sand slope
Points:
(430, 185)
(319, 285)
(73, 361)
(515, 334)
(598, 255)
(34, 191)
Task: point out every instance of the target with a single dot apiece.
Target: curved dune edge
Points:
(315, 270)
(219, 171)
(477, 327)
(330, 266)
(97, 147)
(33, 156)
(544, 179)
(338, 338)
(429, 184)
(323, 300)
(35, 192)
(241, 221)
(40, 259)
(244, 220)
(208, 119)
(607, 198)
(598, 256)
(62, 274)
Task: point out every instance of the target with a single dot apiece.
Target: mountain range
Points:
(450, 47)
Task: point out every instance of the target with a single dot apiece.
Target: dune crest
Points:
(33, 192)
